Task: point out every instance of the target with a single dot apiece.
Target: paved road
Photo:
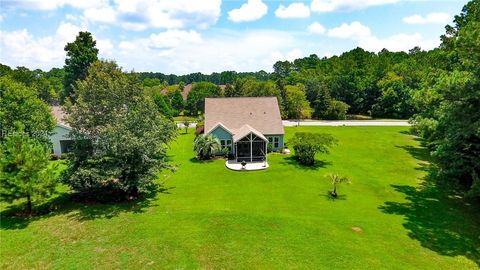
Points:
(289, 123)
(191, 125)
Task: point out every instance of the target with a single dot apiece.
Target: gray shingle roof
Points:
(246, 129)
(260, 113)
(59, 116)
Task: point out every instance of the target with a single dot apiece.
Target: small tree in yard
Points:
(24, 170)
(186, 123)
(337, 180)
(206, 146)
(307, 144)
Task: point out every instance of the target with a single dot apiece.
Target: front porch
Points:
(250, 166)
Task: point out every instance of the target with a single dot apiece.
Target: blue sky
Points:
(184, 36)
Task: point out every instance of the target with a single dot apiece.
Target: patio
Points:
(250, 166)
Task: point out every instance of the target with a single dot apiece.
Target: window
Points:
(226, 144)
(274, 141)
(66, 146)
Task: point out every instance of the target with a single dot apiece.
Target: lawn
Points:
(209, 217)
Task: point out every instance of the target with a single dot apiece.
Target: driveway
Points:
(400, 123)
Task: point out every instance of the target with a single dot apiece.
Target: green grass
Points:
(280, 218)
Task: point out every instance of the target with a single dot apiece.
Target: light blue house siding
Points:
(225, 138)
(59, 138)
(276, 140)
(221, 133)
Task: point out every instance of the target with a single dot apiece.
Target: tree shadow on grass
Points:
(293, 162)
(329, 197)
(437, 215)
(442, 223)
(415, 136)
(69, 204)
(200, 161)
(421, 154)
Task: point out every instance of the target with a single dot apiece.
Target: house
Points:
(59, 138)
(247, 126)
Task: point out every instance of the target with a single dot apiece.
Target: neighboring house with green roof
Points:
(245, 125)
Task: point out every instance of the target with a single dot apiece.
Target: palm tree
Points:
(206, 146)
(336, 180)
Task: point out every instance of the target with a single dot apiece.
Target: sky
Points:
(186, 36)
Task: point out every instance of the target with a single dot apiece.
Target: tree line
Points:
(381, 85)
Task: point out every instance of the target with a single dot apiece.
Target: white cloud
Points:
(365, 39)
(21, 48)
(105, 47)
(67, 32)
(431, 18)
(398, 42)
(53, 4)
(316, 28)
(354, 30)
(104, 14)
(294, 10)
(346, 5)
(250, 11)
(328, 54)
(143, 14)
(127, 45)
(174, 38)
(135, 15)
(289, 56)
(225, 50)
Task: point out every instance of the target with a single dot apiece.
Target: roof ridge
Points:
(240, 97)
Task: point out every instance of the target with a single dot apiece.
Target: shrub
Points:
(307, 144)
(269, 148)
(206, 146)
(225, 152)
(337, 110)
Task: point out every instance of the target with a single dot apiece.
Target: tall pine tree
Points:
(80, 55)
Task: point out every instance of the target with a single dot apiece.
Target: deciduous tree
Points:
(196, 97)
(307, 144)
(296, 104)
(120, 135)
(20, 108)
